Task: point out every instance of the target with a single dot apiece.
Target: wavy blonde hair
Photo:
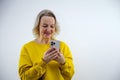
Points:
(44, 12)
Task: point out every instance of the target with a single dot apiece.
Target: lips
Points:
(47, 33)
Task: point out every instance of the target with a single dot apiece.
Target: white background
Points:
(91, 28)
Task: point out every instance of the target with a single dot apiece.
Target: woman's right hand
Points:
(51, 54)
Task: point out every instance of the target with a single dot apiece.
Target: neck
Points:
(43, 41)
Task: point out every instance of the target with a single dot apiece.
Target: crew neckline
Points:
(33, 41)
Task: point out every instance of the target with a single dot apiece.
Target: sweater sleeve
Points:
(27, 70)
(67, 69)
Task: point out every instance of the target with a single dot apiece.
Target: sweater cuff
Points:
(62, 66)
(42, 64)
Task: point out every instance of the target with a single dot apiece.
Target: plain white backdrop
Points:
(91, 28)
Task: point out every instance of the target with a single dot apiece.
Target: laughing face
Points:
(47, 27)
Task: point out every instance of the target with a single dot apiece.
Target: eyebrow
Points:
(47, 24)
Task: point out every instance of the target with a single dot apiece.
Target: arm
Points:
(29, 71)
(67, 69)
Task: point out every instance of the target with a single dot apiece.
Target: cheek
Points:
(54, 30)
(41, 30)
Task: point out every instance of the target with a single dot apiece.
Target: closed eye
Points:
(45, 26)
(52, 26)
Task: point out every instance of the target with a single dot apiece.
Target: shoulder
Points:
(63, 44)
(64, 47)
(29, 43)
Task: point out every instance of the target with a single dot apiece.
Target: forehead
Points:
(47, 19)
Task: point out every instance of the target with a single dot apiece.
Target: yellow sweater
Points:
(32, 67)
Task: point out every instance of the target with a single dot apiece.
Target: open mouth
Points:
(47, 33)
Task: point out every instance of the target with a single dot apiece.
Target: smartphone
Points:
(55, 43)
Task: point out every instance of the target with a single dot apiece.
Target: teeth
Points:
(47, 33)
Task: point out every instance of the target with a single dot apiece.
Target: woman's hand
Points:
(51, 54)
(60, 58)
(54, 54)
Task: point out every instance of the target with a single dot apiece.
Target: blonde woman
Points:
(39, 61)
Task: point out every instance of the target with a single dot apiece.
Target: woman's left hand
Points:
(60, 58)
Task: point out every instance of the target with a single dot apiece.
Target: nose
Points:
(49, 28)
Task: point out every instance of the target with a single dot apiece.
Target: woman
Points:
(39, 61)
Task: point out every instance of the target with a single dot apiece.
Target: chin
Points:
(47, 37)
